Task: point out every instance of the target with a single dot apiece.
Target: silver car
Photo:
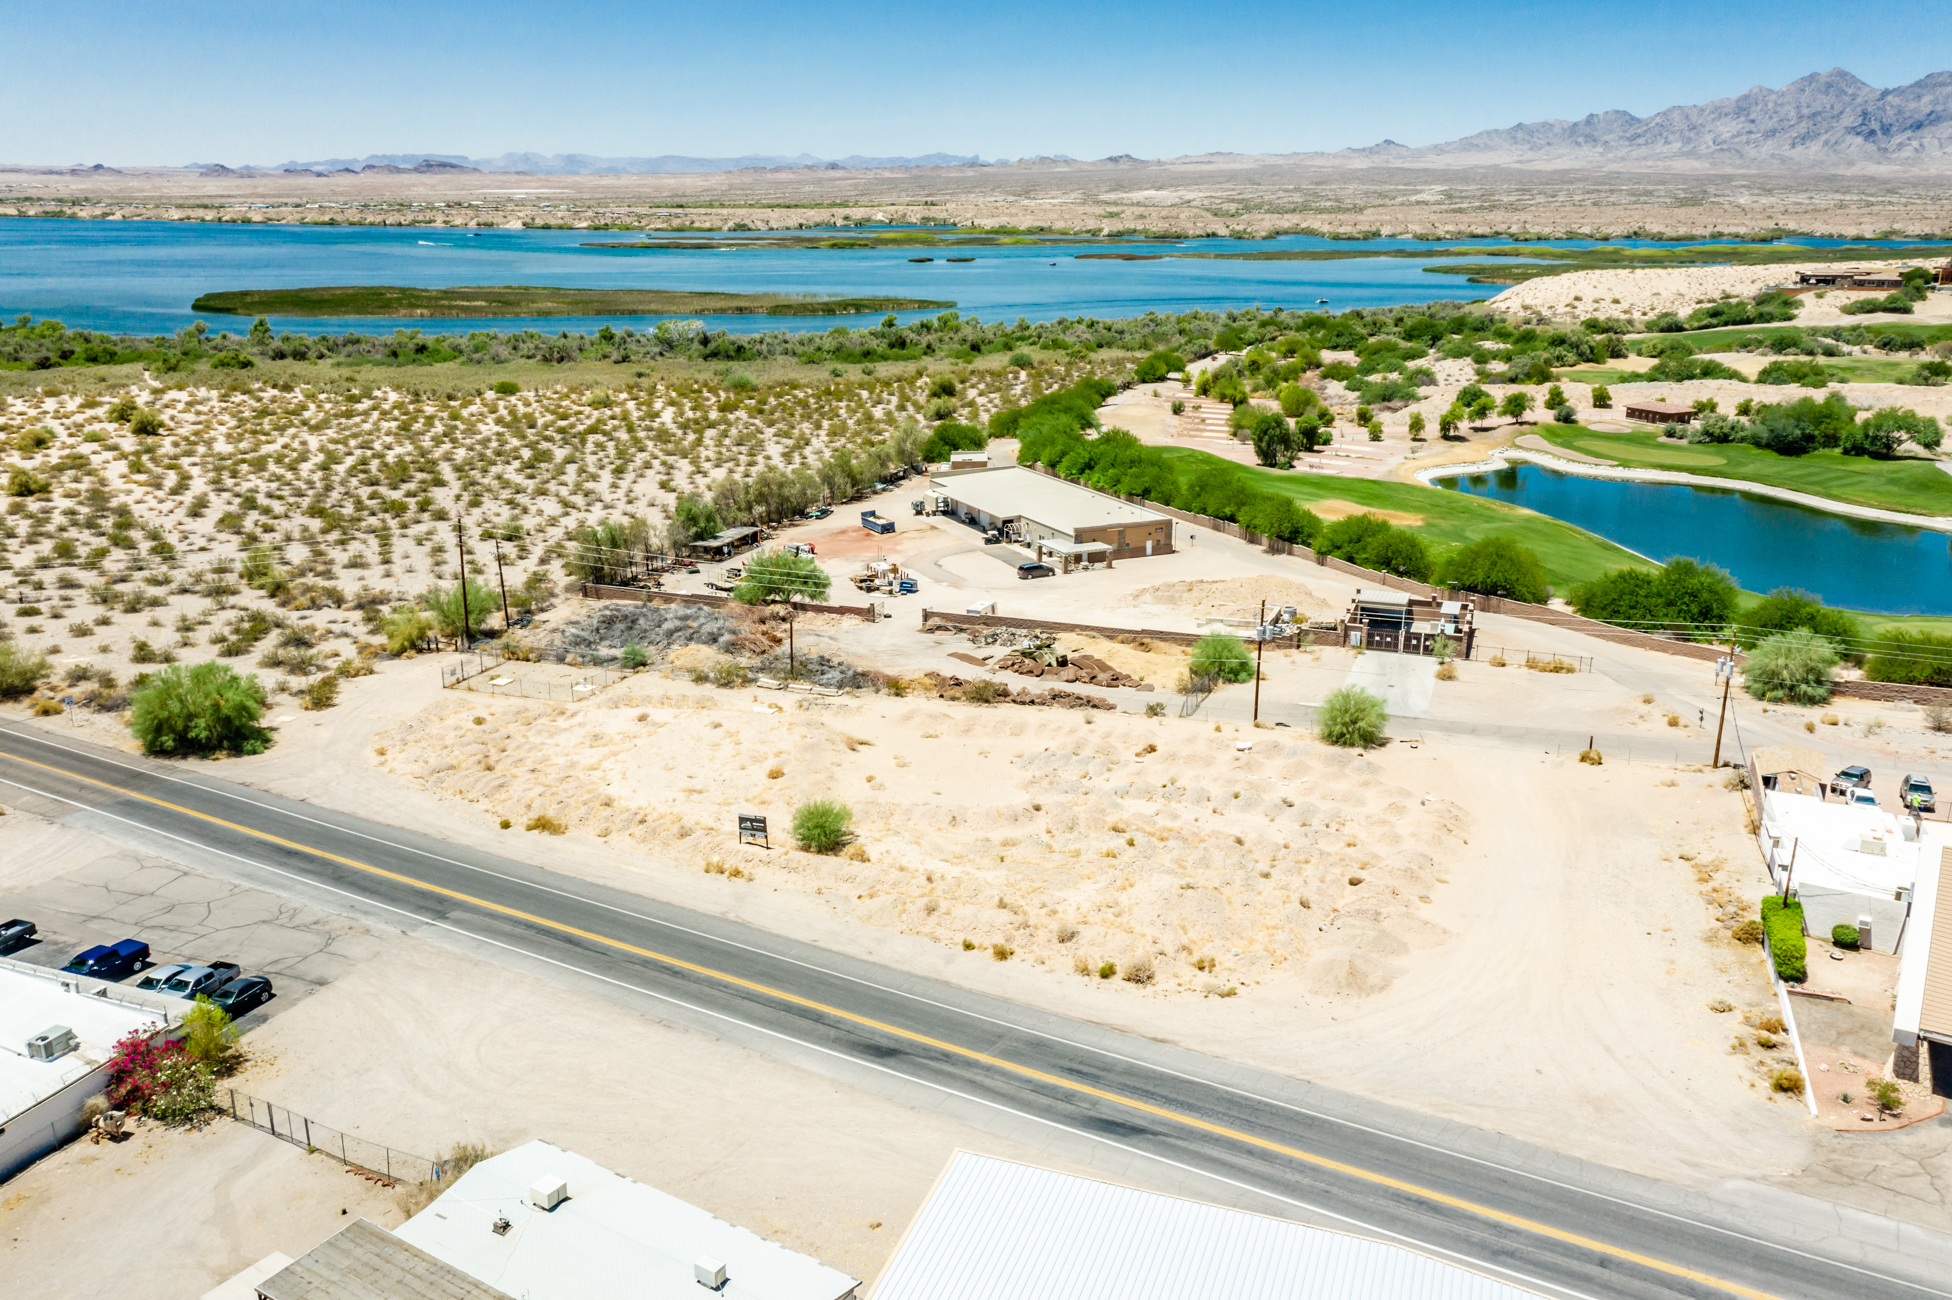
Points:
(192, 980)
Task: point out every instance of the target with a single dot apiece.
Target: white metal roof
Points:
(1848, 846)
(613, 1239)
(1924, 1004)
(1013, 492)
(993, 1228)
(32, 1003)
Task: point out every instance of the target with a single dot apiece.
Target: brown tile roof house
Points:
(1661, 413)
(366, 1262)
(1922, 1019)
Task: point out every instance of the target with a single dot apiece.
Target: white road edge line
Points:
(1482, 1266)
(1542, 1179)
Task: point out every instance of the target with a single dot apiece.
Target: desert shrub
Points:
(146, 423)
(1222, 656)
(1790, 667)
(1786, 1080)
(1351, 718)
(1158, 710)
(24, 482)
(1749, 931)
(199, 710)
(821, 825)
(1158, 365)
(1447, 671)
(210, 1037)
(321, 694)
(507, 387)
(1592, 757)
(1782, 922)
(546, 824)
(1001, 952)
(1107, 970)
(446, 605)
(1844, 936)
(405, 628)
(730, 672)
(1138, 971)
(461, 1157)
(21, 670)
(634, 656)
(1886, 1093)
(983, 691)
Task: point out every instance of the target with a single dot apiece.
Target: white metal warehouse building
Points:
(993, 1229)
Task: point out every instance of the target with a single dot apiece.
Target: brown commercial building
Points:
(1661, 413)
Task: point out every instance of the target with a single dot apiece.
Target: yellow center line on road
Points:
(896, 1031)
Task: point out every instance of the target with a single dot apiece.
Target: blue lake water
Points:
(1765, 543)
(139, 277)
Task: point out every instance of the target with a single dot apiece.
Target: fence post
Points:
(308, 1132)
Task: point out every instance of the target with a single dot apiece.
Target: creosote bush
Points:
(821, 825)
(546, 824)
(1351, 718)
(21, 670)
(199, 710)
(1222, 656)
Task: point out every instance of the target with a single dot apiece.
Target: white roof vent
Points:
(548, 1192)
(709, 1272)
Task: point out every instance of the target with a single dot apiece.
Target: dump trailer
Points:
(875, 523)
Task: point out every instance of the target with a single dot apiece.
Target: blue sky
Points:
(146, 82)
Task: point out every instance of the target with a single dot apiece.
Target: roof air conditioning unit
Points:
(709, 1272)
(548, 1193)
(52, 1043)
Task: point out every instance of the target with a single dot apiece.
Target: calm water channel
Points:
(139, 277)
(1765, 543)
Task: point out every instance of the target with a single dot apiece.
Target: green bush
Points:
(774, 576)
(1790, 667)
(1158, 365)
(446, 605)
(1497, 566)
(507, 387)
(405, 628)
(1782, 922)
(1222, 656)
(1844, 936)
(146, 422)
(21, 670)
(821, 825)
(1913, 657)
(199, 710)
(634, 656)
(1351, 718)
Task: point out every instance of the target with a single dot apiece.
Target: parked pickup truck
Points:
(14, 933)
(875, 523)
(109, 961)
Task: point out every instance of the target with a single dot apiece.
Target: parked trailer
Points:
(875, 523)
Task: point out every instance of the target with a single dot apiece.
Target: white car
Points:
(1859, 797)
(155, 979)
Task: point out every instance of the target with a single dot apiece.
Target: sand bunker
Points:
(1231, 597)
(1050, 838)
(1332, 510)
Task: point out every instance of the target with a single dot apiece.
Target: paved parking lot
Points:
(81, 890)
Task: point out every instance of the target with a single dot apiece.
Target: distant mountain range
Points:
(1830, 122)
(1827, 120)
(582, 164)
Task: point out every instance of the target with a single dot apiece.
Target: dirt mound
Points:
(1231, 597)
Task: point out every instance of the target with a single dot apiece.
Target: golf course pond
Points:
(1766, 543)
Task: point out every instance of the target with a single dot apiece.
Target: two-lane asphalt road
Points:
(1549, 1223)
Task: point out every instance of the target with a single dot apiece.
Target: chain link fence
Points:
(356, 1152)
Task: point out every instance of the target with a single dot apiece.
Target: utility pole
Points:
(461, 549)
(502, 581)
(1260, 644)
(1728, 681)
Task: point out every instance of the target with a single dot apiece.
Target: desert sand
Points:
(1646, 292)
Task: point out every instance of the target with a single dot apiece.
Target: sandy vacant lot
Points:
(1647, 292)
